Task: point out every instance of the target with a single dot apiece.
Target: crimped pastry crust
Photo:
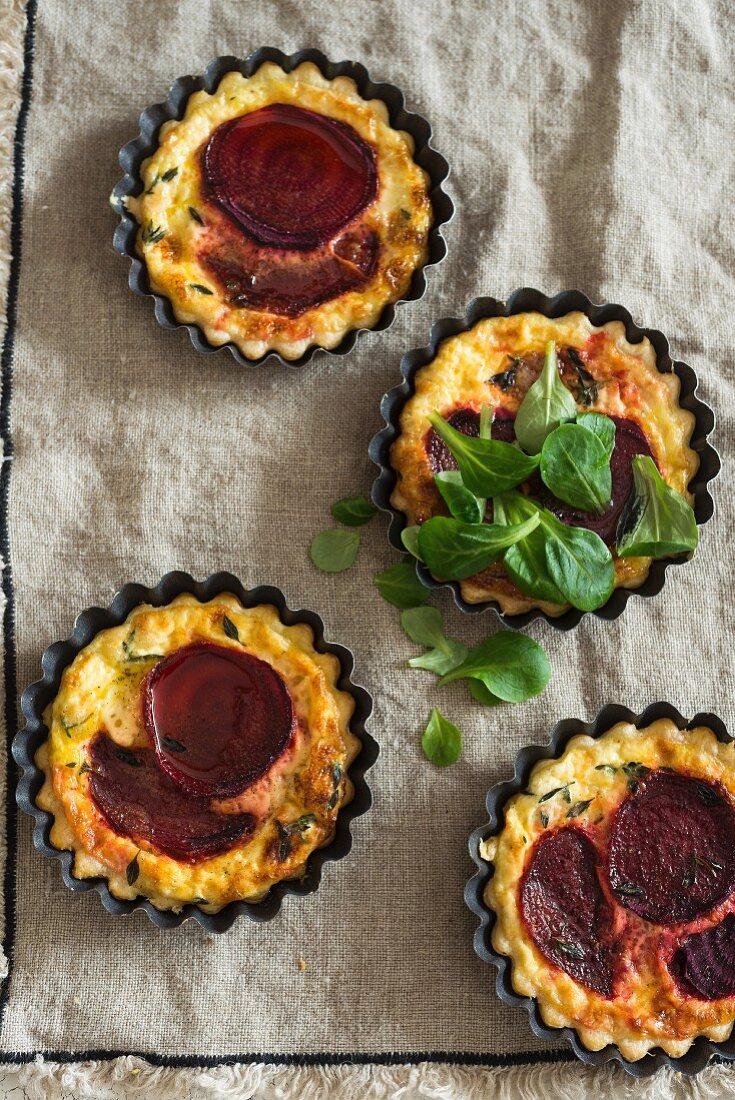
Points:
(101, 690)
(401, 215)
(630, 386)
(648, 1009)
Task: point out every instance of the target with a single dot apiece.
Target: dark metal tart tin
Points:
(522, 301)
(89, 623)
(703, 1050)
(145, 144)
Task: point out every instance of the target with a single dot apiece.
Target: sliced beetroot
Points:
(217, 717)
(287, 284)
(565, 909)
(467, 421)
(291, 178)
(629, 442)
(672, 848)
(140, 801)
(704, 965)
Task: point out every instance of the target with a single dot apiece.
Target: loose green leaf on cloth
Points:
(441, 740)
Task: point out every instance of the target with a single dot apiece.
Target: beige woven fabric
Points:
(591, 146)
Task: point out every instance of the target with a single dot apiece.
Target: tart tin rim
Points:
(702, 1050)
(59, 656)
(145, 144)
(524, 300)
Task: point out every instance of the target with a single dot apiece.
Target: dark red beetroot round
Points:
(141, 802)
(255, 276)
(629, 441)
(704, 965)
(672, 848)
(218, 718)
(291, 178)
(565, 910)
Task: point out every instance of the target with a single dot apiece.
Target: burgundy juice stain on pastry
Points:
(672, 848)
(291, 183)
(140, 801)
(629, 442)
(704, 965)
(565, 909)
(218, 718)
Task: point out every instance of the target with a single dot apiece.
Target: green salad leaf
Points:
(547, 404)
(575, 465)
(482, 695)
(511, 666)
(424, 626)
(353, 511)
(335, 549)
(658, 521)
(556, 562)
(400, 586)
(455, 550)
(603, 427)
(487, 466)
(526, 560)
(462, 504)
(441, 741)
(410, 540)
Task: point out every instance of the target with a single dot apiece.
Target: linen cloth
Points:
(591, 146)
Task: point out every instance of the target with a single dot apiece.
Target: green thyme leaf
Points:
(84, 768)
(512, 666)
(128, 757)
(547, 404)
(455, 550)
(172, 745)
(579, 807)
(566, 947)
(200, 288)
(400, 586)
(506, 379)
(441, 740)
(335, 549)
(230, 629)
(628, 889)
(133, 870)
(196, 215)
(709, 796)
(563, 791)
(609, 768)
(130, 656)
(544, 818)
(169, 174)
(353, 511)
(634, 770)
(487, 466)
(152, 234)
(657, 521)
(337, 772)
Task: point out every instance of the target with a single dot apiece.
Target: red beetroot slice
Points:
(291, 178)
(288, 283)
(565, 910)
(629, 442)
(218, 718)
(672, 848)
(140, 801)
(704, 965)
